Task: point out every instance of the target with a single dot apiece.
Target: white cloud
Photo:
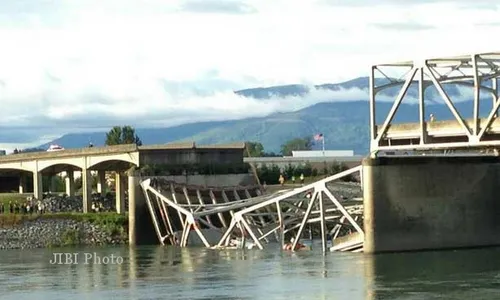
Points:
(69, 64)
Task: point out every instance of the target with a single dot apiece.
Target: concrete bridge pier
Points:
(429, 203)
(101, 182)
(70, 183)
(120, 192)
(53, 184)
(140, 225)
(86, 190)
(134, 189)
(22, 184)
(37, 185)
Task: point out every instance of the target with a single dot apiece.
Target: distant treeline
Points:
(16, 151)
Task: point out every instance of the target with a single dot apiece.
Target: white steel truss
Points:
(194, 214)
(261, 218)
(479, 71)
(300, 218)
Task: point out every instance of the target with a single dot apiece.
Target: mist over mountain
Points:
(344, 122)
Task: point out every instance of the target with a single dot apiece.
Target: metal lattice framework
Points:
(180, 212)
(300, 218)
(478, 71)
(264, 218)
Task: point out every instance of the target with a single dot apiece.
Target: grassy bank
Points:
(112, 222)
(5, 198)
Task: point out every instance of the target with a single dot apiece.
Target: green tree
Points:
(122, 135)
(32, 150)
(254, 149)
(296, 144)
(53, 184)
(269, 174)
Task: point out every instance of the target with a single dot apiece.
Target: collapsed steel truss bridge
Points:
(239, 214)
(262, 219)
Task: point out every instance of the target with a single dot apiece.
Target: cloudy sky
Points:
(77, 64)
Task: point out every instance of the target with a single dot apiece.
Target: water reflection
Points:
(198, 273)
(456, 274)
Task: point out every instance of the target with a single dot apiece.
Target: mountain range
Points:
(344, 123)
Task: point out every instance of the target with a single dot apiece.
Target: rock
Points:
(52, 232)
(56, 203)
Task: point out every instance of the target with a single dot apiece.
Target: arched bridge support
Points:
(85, 160)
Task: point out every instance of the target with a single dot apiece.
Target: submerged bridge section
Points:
(244, 217)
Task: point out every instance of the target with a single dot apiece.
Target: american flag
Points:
(318, 137)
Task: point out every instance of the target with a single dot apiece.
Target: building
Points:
(320, 153)
(313, 157)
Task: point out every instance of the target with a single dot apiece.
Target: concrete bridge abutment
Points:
(424, 203)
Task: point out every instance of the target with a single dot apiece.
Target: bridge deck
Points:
(115, 149)
(68, 153)
(439, 132)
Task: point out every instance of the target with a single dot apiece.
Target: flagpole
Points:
(323, 140)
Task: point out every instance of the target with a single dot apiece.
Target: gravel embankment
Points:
(56, 203)
(342, 190)
(41, 233)
(346, 190)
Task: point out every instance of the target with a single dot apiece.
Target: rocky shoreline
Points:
(60, 232)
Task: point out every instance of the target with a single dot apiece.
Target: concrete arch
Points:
(94, 161)
(17, 166)
(73, 162)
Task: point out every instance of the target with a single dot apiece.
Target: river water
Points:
(198, 273)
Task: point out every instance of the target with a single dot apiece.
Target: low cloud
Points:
(464, 3)
(403, 26)
(217, 6)
(488, 24)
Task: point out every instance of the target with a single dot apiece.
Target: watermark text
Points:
(67, 258)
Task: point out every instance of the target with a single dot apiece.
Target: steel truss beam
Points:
(299, 219)
(479, 71)
(256, 218)
(190, 215)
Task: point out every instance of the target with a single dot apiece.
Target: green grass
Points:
(111, 221)
(5, 198)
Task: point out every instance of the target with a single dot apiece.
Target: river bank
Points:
(18, 231)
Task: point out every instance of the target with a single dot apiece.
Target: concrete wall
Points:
(191, 156)
(421, 203)
(315, 162)
(214, 180)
